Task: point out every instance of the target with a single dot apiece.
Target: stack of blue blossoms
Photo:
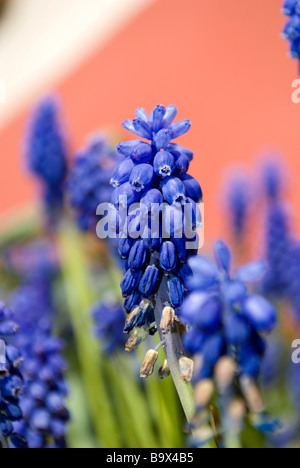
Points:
(45, 416)
(278, 234)
(226, 326)
(291, 32)
(11, 383)
(88, 183)
(156, 209)
(46, 154)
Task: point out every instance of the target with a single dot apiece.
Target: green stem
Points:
(79, 298)
(173, 348)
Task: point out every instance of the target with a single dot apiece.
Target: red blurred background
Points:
(223, 63)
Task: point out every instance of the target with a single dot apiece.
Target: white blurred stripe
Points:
(43, 40)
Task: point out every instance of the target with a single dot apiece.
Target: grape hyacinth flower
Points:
(238, 206)
(226, 326)
(46, 153)
(11, 383)
(291, 32)
(156, 205)
(89, 180)
(109, 323)
(43, 402)
(278, 236)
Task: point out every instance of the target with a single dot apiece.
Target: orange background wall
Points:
(223, 63)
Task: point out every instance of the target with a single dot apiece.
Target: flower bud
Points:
(192, 188)
(136, 338)
(163, 138)
(132, 301)
(142, 128)
(149, 363)
(157, 115)
(180, 128)
(176, 292)
(125, 245)
(167, 320)
(168, 256)
(142, 153)
(164, 371)
(186, 369)
(122, 173)
(148, 282)
(130, 282)
(174, 191)
(125, 195)
(260, 313)
(153, 200)
(137, 256)
(142, 177)
(170, 115)
(127, 147)
(132, 319)
(164, 164)
(177, 150)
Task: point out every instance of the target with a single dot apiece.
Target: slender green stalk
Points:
(79, 298)
(174, 349)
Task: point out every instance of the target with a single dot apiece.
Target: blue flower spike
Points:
(46, 153)
(226, 329)
(157, 258)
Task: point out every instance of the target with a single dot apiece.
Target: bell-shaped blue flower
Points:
(164, 164)
(209, 319)
(174, 191)
(192, 188)
(176, 292)
(260, 313)
(122, 173)
(142, 177)
(139, 151)
(168, 256)
(137, 256)
(129, 282)
(148, 282)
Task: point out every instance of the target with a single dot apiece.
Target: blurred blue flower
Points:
(109, 323)
(278, 239)
(227, 317)
(89, 180)
(46, 152)
(239, 202)
(45, 416)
